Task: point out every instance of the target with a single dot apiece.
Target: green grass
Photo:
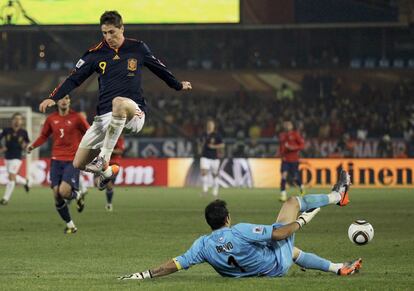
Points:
(151, 225)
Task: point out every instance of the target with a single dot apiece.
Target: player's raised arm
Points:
(83, 69)
(159, 69)
(167, 268)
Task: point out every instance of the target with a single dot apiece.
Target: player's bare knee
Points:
(78, 164)
(293, 202)
(65, 192)
(12, 177)
(118, 105)
(296, 252)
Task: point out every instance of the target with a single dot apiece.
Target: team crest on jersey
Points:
(258, 229)
(132, 64)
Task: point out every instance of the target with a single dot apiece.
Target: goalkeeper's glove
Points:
(307, 216)
(137, 276)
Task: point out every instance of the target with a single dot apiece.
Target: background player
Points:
(16, 140)
(67, 128)
(291, 143)
(211, 143)
(246, 250)
(115, 160)
(118, 61)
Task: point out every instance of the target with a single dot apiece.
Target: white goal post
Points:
(32, 123)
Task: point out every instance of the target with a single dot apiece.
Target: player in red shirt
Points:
(67, 128)
(115, 160)
(290, 144)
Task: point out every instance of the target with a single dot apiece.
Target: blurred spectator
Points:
(239, 147)
(254, 149)
(285, 93)
(385, 147)
(410, 147)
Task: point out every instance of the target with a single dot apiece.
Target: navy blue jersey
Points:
(15, 142)
(120, 73)
(212, 138)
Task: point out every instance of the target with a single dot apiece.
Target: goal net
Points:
(32, 123)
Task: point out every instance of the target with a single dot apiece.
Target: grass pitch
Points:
(151, 225)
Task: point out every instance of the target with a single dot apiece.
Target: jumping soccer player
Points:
(67, 128)
(211, 143)
(247, 250)
(115, 160)
(119, 62)
(16, 140)
(291, 143)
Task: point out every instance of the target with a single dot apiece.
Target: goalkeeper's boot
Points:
(350, 268)
(80, 201)
(97, 166)
(103, 181)
(70, 230)
(109, 207)
(342, 187)
(4, 202)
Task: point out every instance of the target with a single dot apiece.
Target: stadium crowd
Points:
(328, 114)
(324, 109)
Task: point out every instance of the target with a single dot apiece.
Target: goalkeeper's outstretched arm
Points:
(167, 268)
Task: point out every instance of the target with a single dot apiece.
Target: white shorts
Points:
(210, 164)
(94, 136)
(13, 166)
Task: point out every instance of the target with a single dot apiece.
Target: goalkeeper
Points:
(259, 250)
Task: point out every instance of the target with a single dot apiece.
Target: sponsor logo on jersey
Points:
(258, 229)
(79, 63)
(132, 64)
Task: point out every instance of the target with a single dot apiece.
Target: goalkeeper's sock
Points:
(9, 190)
(63, 210)
(317, 200)
(20, 180)
(312, 261)
(204, 182)
(111, 136)
(109, 195)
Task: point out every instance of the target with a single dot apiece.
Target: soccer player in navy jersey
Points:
(16, 141)
(121, 107)
(211, 143)
(252, 250)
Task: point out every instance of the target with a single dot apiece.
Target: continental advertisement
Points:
(246, 173)
(53, 12)
(265, 173)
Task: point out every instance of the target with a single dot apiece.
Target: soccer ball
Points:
(360, 232)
